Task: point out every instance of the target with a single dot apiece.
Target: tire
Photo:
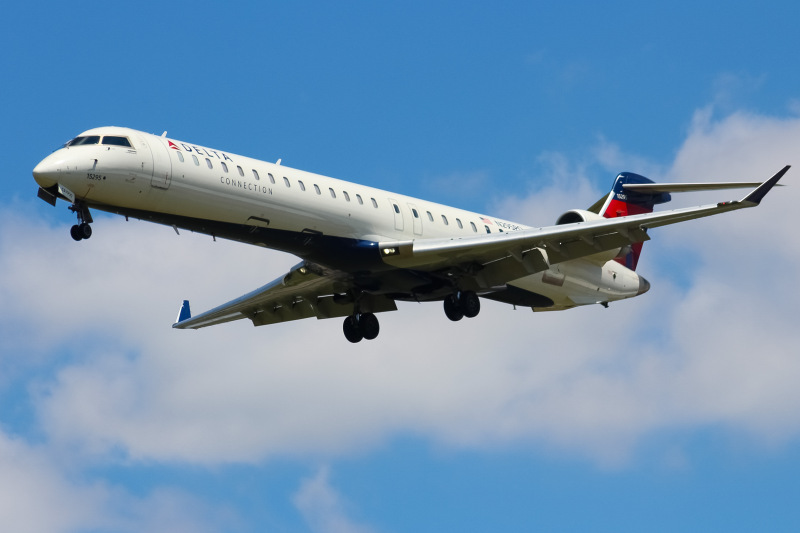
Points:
(86, 230)
(369, 326)
(76, 233)
(469, 303)
(351, 331)
(451, 308)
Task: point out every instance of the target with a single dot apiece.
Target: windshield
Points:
(113, 140)
(116, 141)
(90, 139)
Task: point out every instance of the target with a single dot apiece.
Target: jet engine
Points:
(581, 215)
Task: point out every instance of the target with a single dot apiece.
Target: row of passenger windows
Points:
(345, 194)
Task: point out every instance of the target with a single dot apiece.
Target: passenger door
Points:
(162, 165)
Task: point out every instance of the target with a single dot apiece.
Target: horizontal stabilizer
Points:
(688, 187)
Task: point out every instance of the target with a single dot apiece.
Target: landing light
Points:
(389, 251)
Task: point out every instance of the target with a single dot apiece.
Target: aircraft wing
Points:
(305, 291)
(537, 248)
(310, 290)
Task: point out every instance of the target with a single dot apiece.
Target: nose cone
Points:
(644, 286)
(47, 171)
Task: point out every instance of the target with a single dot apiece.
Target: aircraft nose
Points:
(46, 173)
(644, 286)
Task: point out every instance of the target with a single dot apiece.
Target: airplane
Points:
(363, 249)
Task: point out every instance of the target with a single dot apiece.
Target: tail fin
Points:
(633, 194)
(622, 202)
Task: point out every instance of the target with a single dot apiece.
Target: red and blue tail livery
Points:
(623, 202)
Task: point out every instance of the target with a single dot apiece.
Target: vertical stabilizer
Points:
(621, 203)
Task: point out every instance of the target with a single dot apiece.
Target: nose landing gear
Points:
(82, 230)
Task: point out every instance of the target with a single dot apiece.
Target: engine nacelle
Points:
(581, 215)
(577, 215)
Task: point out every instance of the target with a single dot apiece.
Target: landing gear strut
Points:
(82, 230)
(361, 326)
(462, 304)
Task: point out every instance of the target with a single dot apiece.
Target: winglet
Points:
(184, 313)
(761, 191)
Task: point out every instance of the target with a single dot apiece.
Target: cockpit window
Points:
(116, 141)
(90, 139)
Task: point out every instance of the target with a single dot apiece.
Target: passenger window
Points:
(374, 203)
(208, 162)
(255, 175)
(458, 221)
(474, 227)
(116, 141)
(302, 186)
(346, 196)
(271, 178)
(414, 211)
(333, 193)
(224, 166)
(360, 200)
(241, 172)
(196, 162)
(180, 156)
(430, 217)
(286, 181)
(396, 209)
(316, 189)
(487, 229)
(444, 219)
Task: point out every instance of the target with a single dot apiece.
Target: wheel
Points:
(76, 233)
(350, 328)
(86, 230)
(368, 325)
(451, 308)
(469, 303)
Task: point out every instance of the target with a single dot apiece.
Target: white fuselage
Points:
(177, 182)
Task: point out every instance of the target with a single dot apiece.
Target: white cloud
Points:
(710, 346)
(38, 494)
(322, 507)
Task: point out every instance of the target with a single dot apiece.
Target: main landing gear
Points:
(82, 230)
(462, 304)
(361, 326)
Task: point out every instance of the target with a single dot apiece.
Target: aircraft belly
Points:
(581, 282)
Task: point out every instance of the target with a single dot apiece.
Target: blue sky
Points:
(673, 411)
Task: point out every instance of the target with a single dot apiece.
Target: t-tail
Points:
(622, 201)
(633, 194)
